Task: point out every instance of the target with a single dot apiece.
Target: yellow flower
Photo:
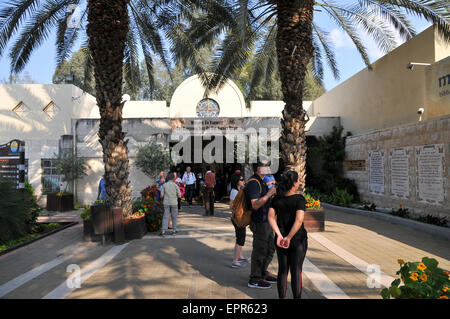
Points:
(443, 297)
(401, 261)
(421, 266)
(414, 276)
(423, 277)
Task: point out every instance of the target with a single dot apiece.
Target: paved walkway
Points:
(196, 263)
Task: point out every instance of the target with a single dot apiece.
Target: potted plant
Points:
(419, 280)
(88, 226)
(71, 168)
(154, 210)
(314, 218)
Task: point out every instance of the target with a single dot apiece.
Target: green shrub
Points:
(86, 213)
(340, 197)
(34, 209)
(401, 212)
(430, 219)
(15, 216)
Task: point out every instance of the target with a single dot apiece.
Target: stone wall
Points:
(415, 160)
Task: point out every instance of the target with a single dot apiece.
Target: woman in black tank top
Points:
(286, 215)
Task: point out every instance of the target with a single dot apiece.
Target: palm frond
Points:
(12, 17)
(35, 32)
(322, 37)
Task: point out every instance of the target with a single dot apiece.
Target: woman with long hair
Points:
(286, 215)
(237, 183)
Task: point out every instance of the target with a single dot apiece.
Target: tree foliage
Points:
(70, 166)
(152, 158)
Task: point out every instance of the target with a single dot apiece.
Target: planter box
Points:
(102, 219)
(88, 232)
(134, 228)
(314, 220)
(61, 203)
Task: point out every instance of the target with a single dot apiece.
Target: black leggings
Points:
(291, 258)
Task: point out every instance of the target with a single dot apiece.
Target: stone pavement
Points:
(197, 262)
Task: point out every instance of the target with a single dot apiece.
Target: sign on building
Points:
(399, 166)
(429, 171)
(376, 172)
(12, 162)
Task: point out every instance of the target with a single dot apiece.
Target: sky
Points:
(43, 61)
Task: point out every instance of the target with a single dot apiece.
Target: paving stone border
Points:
(434, 230)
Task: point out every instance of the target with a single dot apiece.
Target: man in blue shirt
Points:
(101, 195)
(258, 198)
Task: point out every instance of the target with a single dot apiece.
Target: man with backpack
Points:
(258, 197)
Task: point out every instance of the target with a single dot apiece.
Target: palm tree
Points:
(291, 41)
(115, 29)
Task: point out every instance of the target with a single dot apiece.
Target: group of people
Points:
(277, 225)
(173, 188)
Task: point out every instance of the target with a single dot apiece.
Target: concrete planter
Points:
(314, 220)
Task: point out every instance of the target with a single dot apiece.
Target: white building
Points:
(51, 117)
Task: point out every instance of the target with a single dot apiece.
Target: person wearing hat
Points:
(258, 197)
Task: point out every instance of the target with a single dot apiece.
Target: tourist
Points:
(237, 183)
(179, 182)
(286, 214)
(159, 183)
(170, 194)
(258, 198)
(101, 195)
(210, 181)
(189, 184)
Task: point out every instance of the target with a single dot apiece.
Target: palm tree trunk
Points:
(108, 25)
(294, 51)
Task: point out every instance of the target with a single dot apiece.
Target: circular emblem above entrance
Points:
(208, 108)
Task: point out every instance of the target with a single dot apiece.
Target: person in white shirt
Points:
(189, 184)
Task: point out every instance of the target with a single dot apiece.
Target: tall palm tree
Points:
(292, 40)
(115, 29)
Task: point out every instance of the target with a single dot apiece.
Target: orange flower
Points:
(421, 266)
(401, 261)
(443, 297)
(414, 276)
(445, 289)
(423, 277)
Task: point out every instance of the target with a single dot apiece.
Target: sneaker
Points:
(162, 234)
(174, 232)
(271, 278)
(262, 284)
(245, 259)
(238, 265)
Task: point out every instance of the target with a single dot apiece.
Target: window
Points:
(50, 179)
(208, 108)
(21, 110)
(51, 110)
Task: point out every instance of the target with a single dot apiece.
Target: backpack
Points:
(241, 214)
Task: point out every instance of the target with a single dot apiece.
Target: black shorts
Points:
(240, 234)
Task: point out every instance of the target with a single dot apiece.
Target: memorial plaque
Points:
(429, 170)
(376, 172)
(399, 165)
(12, 162)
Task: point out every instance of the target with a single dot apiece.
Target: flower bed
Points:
(314, 218)
(419, 280)
(153, 209)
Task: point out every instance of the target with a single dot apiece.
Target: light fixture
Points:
(412, 64)
(126, 98)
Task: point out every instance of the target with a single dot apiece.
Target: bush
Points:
(340, 197)
(86, 213)
(34, 209)
(421, 280)
(401, 212)
(430, 219)
(16, 212)
(152, 158)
